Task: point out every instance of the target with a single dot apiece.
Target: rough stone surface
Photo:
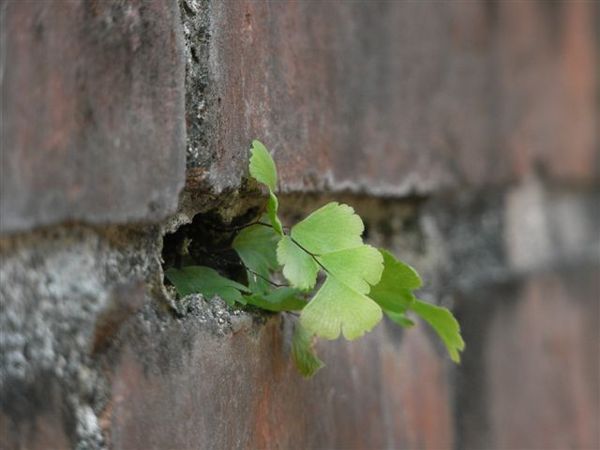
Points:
(396, 97)
(92, 122)
(64, 295)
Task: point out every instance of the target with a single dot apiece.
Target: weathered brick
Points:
(186, 388)
(375, 96)
(390, 97)
(92, 112)
(548, 83)
(531, 374)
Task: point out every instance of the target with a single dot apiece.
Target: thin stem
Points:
(268, 225)
(236, 228)
(272, 283)
(240, 227)
(271, 226)
(241, 264)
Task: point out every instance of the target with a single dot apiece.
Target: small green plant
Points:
(361, 283)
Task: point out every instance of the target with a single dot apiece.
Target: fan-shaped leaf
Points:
(263, 170)
(357, 267)
(205, 281)
(262, 166)
(394, 290)
(337, 308)
(257, 246)
(299, 268)
(330, 228)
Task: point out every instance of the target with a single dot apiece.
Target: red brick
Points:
(243, 391)
(92, 112)
(548, 59)
(386, 97)
(531, 378)
(542, 361)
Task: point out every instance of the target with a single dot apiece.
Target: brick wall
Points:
(464, 133)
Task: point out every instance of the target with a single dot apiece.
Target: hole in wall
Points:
(206, 241)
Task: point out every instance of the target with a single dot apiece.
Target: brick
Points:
(531, 373)
(92, 112)
(547, 70)
(242, 391)
(391, 97)
(383, 97)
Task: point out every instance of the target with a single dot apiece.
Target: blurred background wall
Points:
(466, 135)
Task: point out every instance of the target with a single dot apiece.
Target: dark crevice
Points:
(206, 241)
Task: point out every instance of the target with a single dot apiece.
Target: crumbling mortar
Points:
(199, 101)
(57, 283)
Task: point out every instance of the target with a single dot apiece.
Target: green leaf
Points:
(332, 235)
(336, 309)
(357, 267)
(262, 166)
(400, 319)
(282, 299)
(303, 352)
(444, 324)
(299, 268)
(256, 246)
(272, 208)
(205, 281)
(394, 290)
(330, 228)
(263, 170)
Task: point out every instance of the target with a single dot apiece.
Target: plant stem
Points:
(270, 226)
(241, 227)
(272, 283)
